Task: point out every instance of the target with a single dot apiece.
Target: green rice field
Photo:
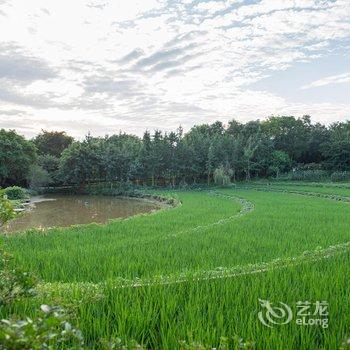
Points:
(193, 276)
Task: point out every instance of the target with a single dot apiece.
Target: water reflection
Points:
(66, 210)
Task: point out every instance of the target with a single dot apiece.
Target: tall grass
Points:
(325, 188)
(167, 243)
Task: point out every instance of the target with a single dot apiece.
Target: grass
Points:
(205, 233)
(340, 189)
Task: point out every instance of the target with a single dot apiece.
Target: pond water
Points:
(66, 210)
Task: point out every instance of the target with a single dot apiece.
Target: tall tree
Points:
(81, 163)
(16, 156)
(318, 137)
(52, 142)
(146, 159)
(119, 156)
(337, 149)
(198, 142)
(289, 135)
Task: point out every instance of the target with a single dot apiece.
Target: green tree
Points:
(337, 150)
(182, 162)
(52, 142)
(233, 147)
(280, 162)
(318, 137)
(16, 156)
(120, 156)
(234, 128)
(289, 134)
(198, 142)
(38, 177)
(158, 155)
(81, 163)
(248, 156)
(145, 158)
(172, 169)
(50, 164)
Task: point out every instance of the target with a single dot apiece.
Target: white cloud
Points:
(333, 79)
(137, 64)
(211, 6)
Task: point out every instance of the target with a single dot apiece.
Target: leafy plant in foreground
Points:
(6, 209)
(118, 344)
(225, 343)
(49, 332)
(14, 283)
(345, 344)
(16, 192)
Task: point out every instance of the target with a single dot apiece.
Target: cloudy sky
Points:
(109, 65)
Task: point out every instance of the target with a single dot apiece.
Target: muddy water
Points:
(66, 210)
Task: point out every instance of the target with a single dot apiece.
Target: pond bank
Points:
(53, 210)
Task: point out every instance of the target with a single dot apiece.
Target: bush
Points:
(114, 189)
(226, 343)
(306, 175)
(183, 185)
(16, 192)
(14, 283)
(6, 209)
(51, 331)
(310, 166)
(221, 177)
(340, 176)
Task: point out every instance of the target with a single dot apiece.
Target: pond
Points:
(66, 210)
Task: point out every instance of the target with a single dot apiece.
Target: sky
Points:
(102, 66)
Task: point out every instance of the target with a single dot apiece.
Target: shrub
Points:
(340, 176)
(14, 283)
(6, 209)
(310, 166)
(345, 344)
(118, 344)
(306, 175)
(183, 185)
(221, 177)
(51, 331)
(226, 343)
(16, 192)
(114, 189)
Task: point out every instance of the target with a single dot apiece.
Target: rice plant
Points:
(194, 274)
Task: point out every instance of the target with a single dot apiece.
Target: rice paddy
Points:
(196, 272)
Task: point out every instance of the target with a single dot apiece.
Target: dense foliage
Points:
(6, 209)
(16, 192)
(16, 157)
(50, 332)
(255, 149)
(266, 148)
(14, 282)
(52, 143)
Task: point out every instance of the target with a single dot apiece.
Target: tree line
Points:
(241, 151)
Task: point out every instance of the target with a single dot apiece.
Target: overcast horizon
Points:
(103, 66)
